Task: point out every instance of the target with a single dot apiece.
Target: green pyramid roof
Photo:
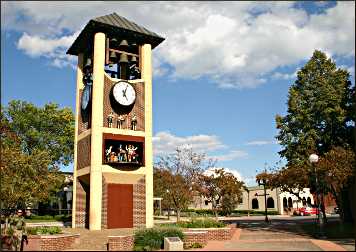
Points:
(113, 25)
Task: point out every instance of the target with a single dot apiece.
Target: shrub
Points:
(195, 245)
(153, 238)
(44, 230)
(201, 223)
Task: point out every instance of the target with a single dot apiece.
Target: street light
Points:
(313, 159)
(169, 207)
(263, 182)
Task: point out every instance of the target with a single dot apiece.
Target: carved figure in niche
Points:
(134, 155)
(133, 121)
(130, 152)
(120, 120)
(107, 153)
(110, 119)
(112, 157)
(122, 154)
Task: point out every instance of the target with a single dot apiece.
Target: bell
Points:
(133, 59)
(113, 43)
(88, 64)
(124, 43)
(113, 57)
(123, 58)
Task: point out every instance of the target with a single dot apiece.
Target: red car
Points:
(308, 210)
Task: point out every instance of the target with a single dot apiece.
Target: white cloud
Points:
(231, 155)
(284, 76)
(165, 142)
(236, 44)
(260, 142)
(52, 48)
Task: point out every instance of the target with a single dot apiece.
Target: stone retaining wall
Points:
(50, 242)
(120, 243)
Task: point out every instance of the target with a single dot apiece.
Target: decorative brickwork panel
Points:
(191, 237)
(104, 204)
(215, 234)
(83, 153)
(84, 120)
(120, 243)
(111, 106)
(139, 204)
(51, 242)
(82, 203)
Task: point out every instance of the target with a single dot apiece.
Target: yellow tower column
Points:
(146, 72)
(80, 85)
(96, 133)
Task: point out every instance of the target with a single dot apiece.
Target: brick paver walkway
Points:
(257, 237)
(95, 240)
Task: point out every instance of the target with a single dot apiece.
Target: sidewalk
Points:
(275, 237)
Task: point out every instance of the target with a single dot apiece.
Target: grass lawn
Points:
(333, 229)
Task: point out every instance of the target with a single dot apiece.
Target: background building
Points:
(282, 202)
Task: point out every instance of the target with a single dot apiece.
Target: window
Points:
(254, 203)
(207, 202)
(270, 202)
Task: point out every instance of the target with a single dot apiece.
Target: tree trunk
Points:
(178, 214)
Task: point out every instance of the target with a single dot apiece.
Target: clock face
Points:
(124, 93)
(86, 97)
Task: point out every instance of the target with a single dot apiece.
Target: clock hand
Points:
(125, 89)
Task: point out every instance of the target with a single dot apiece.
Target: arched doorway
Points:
(290, 202)
(270, 202)
(254, 203)
(309, 200)
(285, 204)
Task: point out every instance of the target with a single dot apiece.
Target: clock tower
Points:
(113, 162)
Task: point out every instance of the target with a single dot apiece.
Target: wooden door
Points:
(120, 206)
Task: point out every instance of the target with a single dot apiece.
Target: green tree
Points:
(320, 117)
(320, 111)
(49, 129)
(34, 143)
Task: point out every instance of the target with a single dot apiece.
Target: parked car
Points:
(308, 210)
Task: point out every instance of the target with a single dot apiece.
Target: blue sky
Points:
(220, 77)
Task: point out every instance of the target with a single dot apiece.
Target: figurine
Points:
(134, 155)
(107, 154)
(110, 117)
(120, 119)
(112, 157)
(130, 152)
(122, 154)
(133, 122)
